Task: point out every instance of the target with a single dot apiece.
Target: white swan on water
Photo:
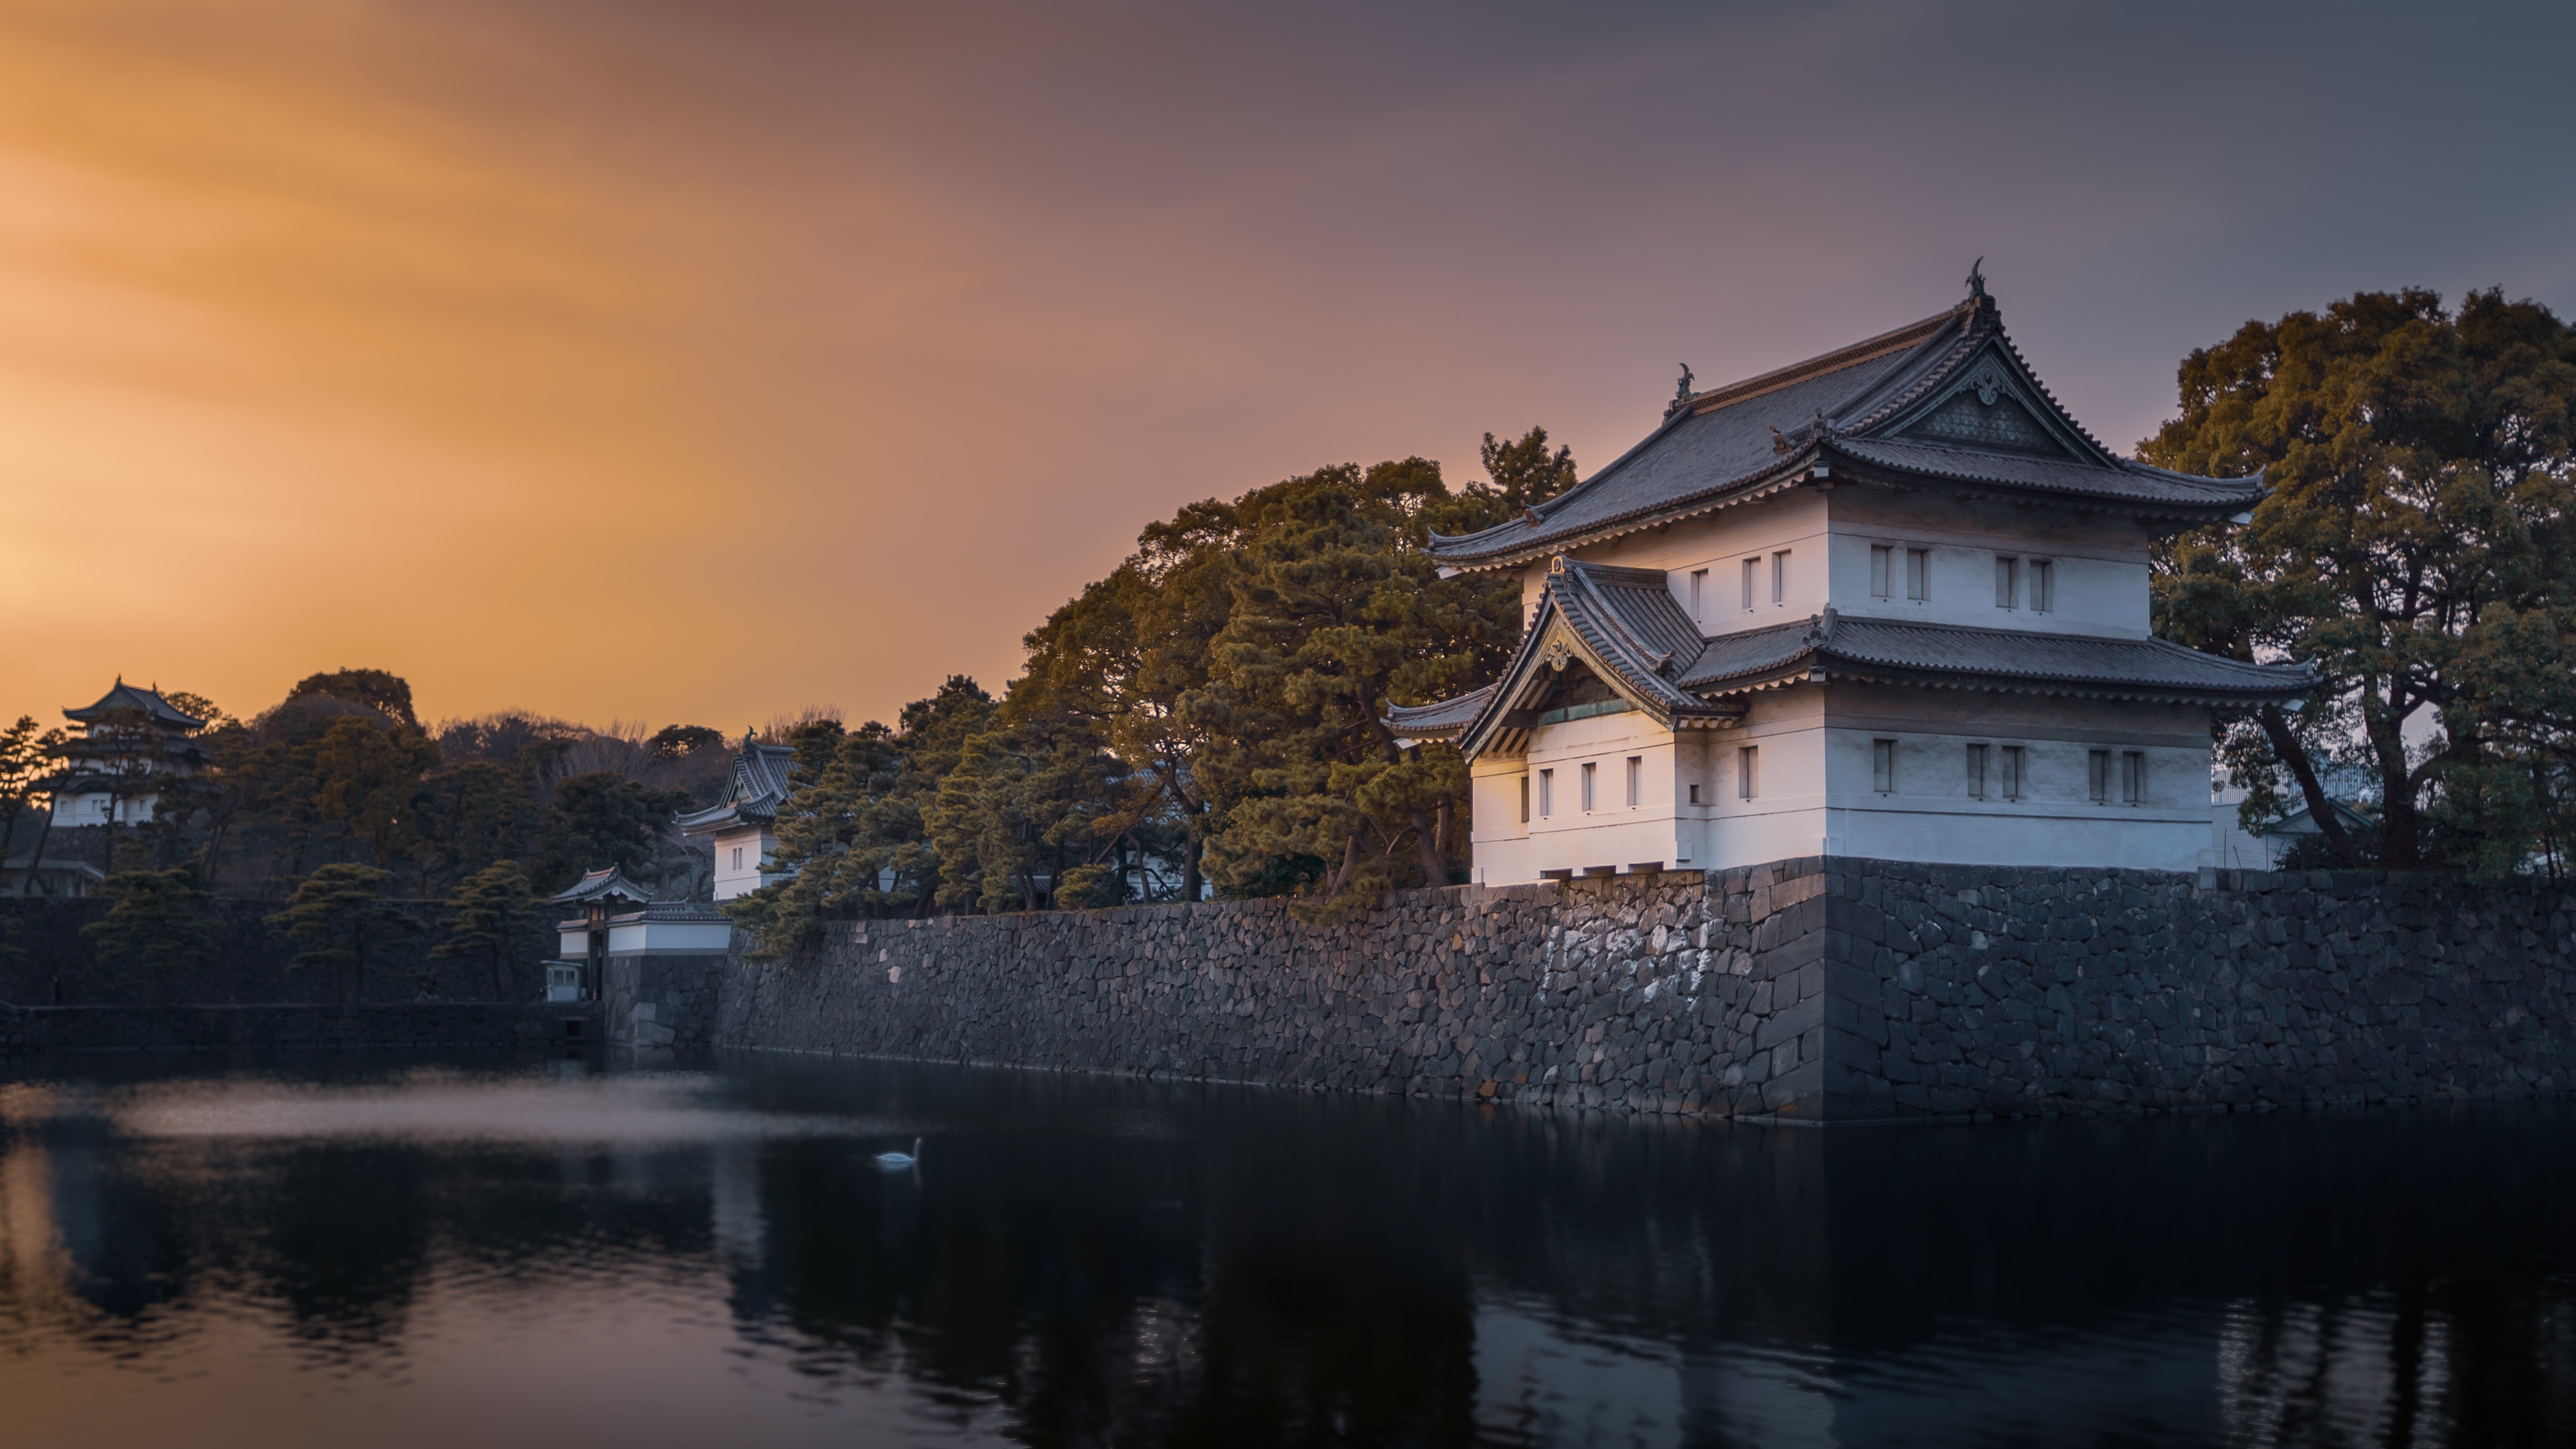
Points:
(898, 1161)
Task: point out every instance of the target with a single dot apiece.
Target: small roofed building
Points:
(130, 742)
(644, 958)
(743, 824)
(1891, 602)
(599, 896)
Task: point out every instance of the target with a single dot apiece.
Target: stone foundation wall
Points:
(419, 1026)
(1804, 990)
(2012, 991)
(661, 1002)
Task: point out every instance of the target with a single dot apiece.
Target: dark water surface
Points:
(563, 1255)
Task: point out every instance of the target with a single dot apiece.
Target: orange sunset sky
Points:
(693, 363)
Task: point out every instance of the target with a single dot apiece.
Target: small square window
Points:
(1694, 794)
(1748, 772)
(1976, 772)
(1882, 766)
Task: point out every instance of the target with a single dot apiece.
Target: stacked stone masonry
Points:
(1803, 990)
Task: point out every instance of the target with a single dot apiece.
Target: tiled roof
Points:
(674, 913)
(759, 786)
(1877, 407)
(602, 885)
(134, 696)
(1629, 631)
(1437, 721)
(1964, 655)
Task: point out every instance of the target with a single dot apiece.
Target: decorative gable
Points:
(1987, 409)
(1993, 421)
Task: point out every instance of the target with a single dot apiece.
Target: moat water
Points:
(283, 1256)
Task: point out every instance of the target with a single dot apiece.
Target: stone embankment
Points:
(418, 1026)
(1805, 990)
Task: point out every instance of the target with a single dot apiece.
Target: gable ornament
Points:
(1557, 653)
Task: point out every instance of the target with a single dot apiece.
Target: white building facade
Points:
(131, 742)
(1890, 603)
(742, 825)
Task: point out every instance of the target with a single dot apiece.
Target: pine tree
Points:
(493, 910)
(152, 926)
(339, 914)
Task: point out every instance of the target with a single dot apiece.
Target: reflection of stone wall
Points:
(1847, 990)
(419, 1026)
(661, 1001)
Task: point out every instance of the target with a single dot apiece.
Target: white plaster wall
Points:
(1816, 790)
(93, 809)
(648, 938)
(1720, 542)
(2100, 562)
(1613, 834)
(755, 847)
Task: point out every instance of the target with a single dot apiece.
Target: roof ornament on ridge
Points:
(1681, 393)
(1977, 280)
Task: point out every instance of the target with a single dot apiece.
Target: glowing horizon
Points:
(632, 362)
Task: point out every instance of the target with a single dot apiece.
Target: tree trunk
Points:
(2400, 847)
(1341, 875)
(2321, 809)
(1435, 866)
(36, 862)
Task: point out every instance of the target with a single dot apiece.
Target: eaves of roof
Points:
(1751, 439)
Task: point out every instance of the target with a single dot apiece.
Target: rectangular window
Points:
(1748, 772)
(1882, 766)
(1589, 773)
(1752, 579)
(737, 857)
(1546, 793)
(1694, 798)
(2133, 777)
(2013, 767)
(1918, 574)
(1525, 799)
(2007, 582)
(2097, 775)
(1699, 588)
(1780, 577)
(1976, 772)
(2043, 593)
(1636, 779)
(1881, 569)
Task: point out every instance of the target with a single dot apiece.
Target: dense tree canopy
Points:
(1210, 711)
(2416, 544)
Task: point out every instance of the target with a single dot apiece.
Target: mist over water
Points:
(559, 1253)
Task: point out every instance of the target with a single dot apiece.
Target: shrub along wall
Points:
(56, 965)
(1809, 990)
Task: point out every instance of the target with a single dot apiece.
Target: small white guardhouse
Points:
(1890, 602)
(743, 823)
